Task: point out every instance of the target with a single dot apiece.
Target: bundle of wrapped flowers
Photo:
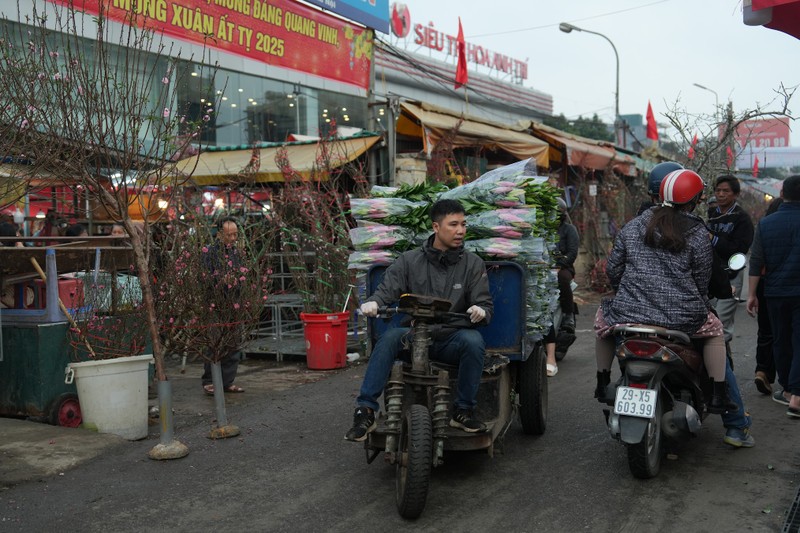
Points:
(379, 237)
(382, 208)
(512, 216)
(509, 223)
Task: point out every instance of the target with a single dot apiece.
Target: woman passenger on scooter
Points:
(660, 268)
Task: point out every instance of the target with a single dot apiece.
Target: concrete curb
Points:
(29, 450)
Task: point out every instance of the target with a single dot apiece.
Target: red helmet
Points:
(681, 187)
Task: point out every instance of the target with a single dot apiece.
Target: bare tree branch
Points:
(93, 105)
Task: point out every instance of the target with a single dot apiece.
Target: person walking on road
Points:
(776, 252)
(765, 359)
(567, 252)
(731, 233)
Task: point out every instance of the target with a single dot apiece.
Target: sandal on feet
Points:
(234, 388)
(791, 411)
(552, 370)
(209, 389)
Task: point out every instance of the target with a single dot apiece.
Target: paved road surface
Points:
(290, 470)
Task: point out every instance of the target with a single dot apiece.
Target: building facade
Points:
(283, 70)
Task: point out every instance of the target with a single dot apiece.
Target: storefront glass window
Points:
(234, 108)
(79, 88)
(250, 109)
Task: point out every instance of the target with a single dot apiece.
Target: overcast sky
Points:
(664, 46)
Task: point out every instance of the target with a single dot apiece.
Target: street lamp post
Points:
(566, 27)
(720, 118)
(716, 97)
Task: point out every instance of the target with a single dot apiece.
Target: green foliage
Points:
(543, 197)
(591, 128)
(424, 191)
(558, 122)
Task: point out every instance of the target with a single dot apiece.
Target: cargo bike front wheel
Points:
(415, 459)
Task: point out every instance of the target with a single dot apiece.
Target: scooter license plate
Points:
(635, 402)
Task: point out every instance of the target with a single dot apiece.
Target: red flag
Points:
(690, 155)
(729, 156)
(461, 68)
(755, 168)
(652, 128)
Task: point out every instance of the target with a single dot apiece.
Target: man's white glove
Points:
(476, 314)
(369, 309)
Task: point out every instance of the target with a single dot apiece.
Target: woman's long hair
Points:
(668, 227)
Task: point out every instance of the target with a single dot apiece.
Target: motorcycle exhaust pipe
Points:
(682, 421)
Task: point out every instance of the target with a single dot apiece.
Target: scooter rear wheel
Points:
(415, 461)
(644, 457)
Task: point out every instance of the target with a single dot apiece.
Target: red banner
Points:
(282, 33)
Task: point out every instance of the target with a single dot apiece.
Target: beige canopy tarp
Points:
(578, 151)
(259, 166)
(574, 150)
(432, 123)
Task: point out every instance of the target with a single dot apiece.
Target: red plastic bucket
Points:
(326, 339)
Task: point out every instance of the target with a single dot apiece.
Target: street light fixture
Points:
(719, 115)
(716, 96)
(566, 27)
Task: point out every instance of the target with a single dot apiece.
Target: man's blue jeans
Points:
(738, 419)
(784, 316)
(465, 348)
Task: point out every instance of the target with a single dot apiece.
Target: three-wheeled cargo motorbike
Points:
(413, 432)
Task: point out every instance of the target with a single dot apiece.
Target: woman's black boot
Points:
(603, 379)
(720, 402)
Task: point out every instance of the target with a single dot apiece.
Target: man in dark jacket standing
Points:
(568, 243)
(731, 233)
(776, 250)
(444, 269)
(222, 259)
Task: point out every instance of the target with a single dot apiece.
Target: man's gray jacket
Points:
(457, 275)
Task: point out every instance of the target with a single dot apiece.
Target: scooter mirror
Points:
(737, 262)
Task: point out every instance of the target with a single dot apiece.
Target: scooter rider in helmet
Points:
(737, 423)
(568, 243)
(657, 175)
(660, 267)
